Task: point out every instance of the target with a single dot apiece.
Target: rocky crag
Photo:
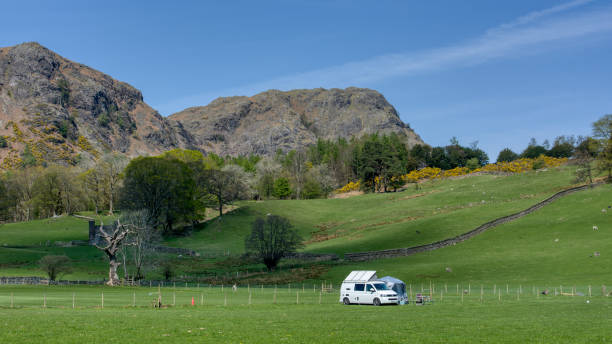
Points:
(60, 111)
(274, 120)
(53, 110)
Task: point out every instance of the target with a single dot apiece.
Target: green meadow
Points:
(486, 289)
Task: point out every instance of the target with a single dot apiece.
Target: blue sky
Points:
(496, 72)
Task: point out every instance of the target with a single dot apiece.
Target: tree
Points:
(282, 189)
(584, 170)
(602, 132)
(533, 150)
(139, 244)
(55, 266)
(57, 191)
(163, 186)
(271, 239)
(94, 187)
(266, 171)
(507, 155)
(113, 240)
(563, 147)
(110, 168)
(226, 185)
(295, 163)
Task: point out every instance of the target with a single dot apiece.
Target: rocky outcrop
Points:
(274, 120)
(62, 111)
(59, 111)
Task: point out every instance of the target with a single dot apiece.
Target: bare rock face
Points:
(274, 120)
(61, 111)
(54, 110)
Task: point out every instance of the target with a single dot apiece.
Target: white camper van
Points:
(363, 287)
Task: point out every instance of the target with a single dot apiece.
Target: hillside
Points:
(273, 120)
(63, 111)
(439, 209)
(523, 250)
(56, 110)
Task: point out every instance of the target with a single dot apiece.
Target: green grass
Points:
(450, 320)
(516, 260)
(523, 250)
(440, 209)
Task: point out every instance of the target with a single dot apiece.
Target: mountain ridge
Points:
(55, 110)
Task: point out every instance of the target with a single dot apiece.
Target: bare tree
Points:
(271, 239)
(55, 266)
(139, 246)
(112, 243)
(111, 167)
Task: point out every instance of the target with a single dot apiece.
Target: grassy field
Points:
(438, 210)
(229, 318)
(554, 249)
(556, 244)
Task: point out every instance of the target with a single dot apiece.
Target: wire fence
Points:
(79, 297)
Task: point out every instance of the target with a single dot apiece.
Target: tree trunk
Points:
(110, 203)
(113, 278)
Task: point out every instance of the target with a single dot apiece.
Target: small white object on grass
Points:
(557, 240)
(595, 228)
(588, 301)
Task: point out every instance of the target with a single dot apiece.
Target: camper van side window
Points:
(358, 287)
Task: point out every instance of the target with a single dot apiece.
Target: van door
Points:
(369, 294)
(358, 293)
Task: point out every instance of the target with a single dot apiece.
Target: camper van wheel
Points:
(376, 302)
(346, 301)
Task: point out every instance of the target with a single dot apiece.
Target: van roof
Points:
(361, 276)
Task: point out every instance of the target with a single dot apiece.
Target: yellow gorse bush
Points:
(516, 166)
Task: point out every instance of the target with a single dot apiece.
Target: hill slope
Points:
(274, 120)
(61, 109)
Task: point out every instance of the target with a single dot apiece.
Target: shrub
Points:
(55, 266)
(3, 143)
(472, 163)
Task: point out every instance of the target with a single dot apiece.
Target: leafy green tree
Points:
(282, 189)
(533, 150)
(507, 155)
(55, 266)
(563, 147)
(271, 239)
(602, 132)
(3, 143)
(163, 186)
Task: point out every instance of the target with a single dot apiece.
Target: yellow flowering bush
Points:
(516, 166)
(351, 186)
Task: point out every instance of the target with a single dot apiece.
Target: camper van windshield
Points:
(380, 286)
